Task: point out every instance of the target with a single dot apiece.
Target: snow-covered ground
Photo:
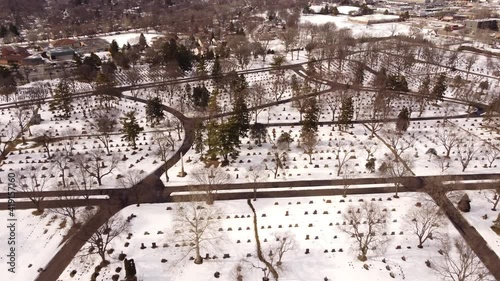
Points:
(37, 239)
(481, 215)
(319, 218)
(132, 38)
(359, 30)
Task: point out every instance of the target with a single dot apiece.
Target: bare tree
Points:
(34, 179)
(279, 155)
(397, 143)
(449, 137)
(67, 210)
(257, 98)
(466, 150)
(269, 265)
(45, 138)
(459, 263)
(100, 240)
(8, 135)
(255, 174)
(425, 221)
(289, 38)
(309, 141)
(492, 154)
(397, 169)
(165, 147)
(493, 196)
(96, 165)
(366, 225)
(196, 225)
(344, 152)
(105, 122)
(209, 178)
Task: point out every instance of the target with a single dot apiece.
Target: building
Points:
(491, 24)
(61, 54)
(66, 43)
(13, 55)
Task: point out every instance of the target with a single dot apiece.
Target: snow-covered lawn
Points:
(37, 240)
(359, 30)
(481, 216)
(330, 249)
(132, 38)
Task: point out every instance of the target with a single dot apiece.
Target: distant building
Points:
(491, 24)
(61, 54)
(34, 60)
(66, 43)
(13, 54)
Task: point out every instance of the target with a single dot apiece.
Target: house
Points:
(66, 43)
(13, 54)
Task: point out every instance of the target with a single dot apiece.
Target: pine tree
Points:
(258, 133)
(311, 117)
(240, 118)
(212, 140)
(217, 72)
(62, 98)
(131, 128)
(439, 88)
(200, 96)
(228, 140)
(113, 48)
(154, 111)
(142, 41)
(198, 143)
(403, 121)
(346, 113)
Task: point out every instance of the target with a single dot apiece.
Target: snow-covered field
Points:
(359, 30)
(132, 38)
(37, 239)
(481, 215)
(313, 222)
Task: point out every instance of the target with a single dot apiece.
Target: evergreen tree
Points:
(184, 58)
(403, 121)
(154, 111)
(212, 140)
(424, 88)
(285, 139)
(334, 11)
(131, 128)
(380, 80)
(311, 117)
(113, 48)
(397, 83)
(240, 118)
(62, 98)
(198, 143)
(200, 96)
(346, 113)
(258, 133)
(217, 72)
(439, 88)
(228, 140)
(106, 92)
(142, 41)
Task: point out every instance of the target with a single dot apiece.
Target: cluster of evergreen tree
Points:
(174, 52)
(9, 29)
(223, 134)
